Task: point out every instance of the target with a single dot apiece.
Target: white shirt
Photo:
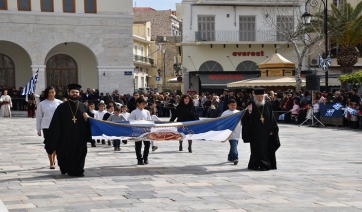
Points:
(237, 132)
(45, 112)
(125, 115)
(138, 114)
(316, 108)
(6, 98)
(196, 102)
(100, 114)
(155, 118)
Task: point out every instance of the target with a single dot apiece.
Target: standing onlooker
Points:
(185, 111)
(141, 114)
(44, 116)
(132, 102)
(31, 105)
(6, 104)
(235, 136)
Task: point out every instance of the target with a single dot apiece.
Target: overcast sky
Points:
(157, 4)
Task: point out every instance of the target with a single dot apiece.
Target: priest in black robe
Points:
(69, 132)
(260, 129)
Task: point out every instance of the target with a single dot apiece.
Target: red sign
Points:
(253, 54)
(191, 92)
(235, 77)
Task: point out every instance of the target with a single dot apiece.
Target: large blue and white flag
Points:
(216, 129)
(30, 87)
(320, 61)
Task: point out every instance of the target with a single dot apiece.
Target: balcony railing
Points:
(234, 36)
(142, 59)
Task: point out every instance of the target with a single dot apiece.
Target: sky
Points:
(157, 4)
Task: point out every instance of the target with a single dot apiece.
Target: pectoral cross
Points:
(74, 119)
(262, 119)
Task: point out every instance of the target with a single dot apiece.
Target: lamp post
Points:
(306, 19)
(164, 69)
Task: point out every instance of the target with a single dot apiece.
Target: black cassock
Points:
(262, 145)
(69, 139)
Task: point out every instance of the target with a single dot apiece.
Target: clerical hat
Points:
(259, 91)
(74, 87)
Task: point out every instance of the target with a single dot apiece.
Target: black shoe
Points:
(98, 141)
(262, 169)
(190, 150)
(140, 162)
(93, 145)
(115, 148)
(109, 143)
(180, 148)
(76, 175)
(124, 141)
(146, 162)
(236, 162)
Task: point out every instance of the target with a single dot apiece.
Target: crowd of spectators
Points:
(294, 104)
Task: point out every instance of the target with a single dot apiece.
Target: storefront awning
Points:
(265, 82)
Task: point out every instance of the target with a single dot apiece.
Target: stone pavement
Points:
(319, 169)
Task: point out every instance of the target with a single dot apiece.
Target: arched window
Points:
(61, 70)
(7, 71)
(247, 66)
(211, 66)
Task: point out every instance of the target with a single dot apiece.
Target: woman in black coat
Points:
(185, 111)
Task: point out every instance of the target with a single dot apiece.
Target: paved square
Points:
(319, 169)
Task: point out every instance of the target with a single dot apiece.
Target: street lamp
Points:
(164, 69)
(306, 19)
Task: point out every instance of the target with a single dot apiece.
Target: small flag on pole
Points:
(30, 87)
(328, 60)
(320, 61)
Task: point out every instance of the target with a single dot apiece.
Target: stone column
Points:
(119, 78)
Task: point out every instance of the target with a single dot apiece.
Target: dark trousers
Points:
(116, 143)
(138, 148)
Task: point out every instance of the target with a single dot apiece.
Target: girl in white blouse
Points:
(44, 115)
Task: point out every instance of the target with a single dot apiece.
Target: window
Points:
(69, 6)
(142, 48)
(61, 70)
(135, 49)
(285, 24)
(148, 31)
(142, 82)
(47, 6)
(247, 28)
(247, 66)
(206, 27)
(136, 82)
(90, 6)
(24, 5)
(7, 71)
(211, 66)
(3, 5)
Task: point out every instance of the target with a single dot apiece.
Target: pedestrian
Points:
(69, 133)
(6, 104)
(131, 105)
(116, 117)
(44, 115)
(260, 129)
(141, 114)
(185, 111)
(233, 155)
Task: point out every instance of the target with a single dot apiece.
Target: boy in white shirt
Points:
(125, 115)
(234, 138)
(141, 114)
(91, 107)
(116, 117)
(99, 115)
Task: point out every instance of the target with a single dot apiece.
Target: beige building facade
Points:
(73, 41)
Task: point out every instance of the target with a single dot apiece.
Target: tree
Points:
(354, 79)
(345, 26)
(300, 36)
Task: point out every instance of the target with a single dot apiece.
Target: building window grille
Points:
(3, 4)
(61, 70)
(24, 5)
(211, 66)
(7, 71)
(285, 24)
(90, 6)
(47, 6)
(206, 28)
(69, 6)
(247, 28)
(247, 66)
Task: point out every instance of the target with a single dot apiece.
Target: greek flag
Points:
(337, 106)
(281, 117)
(30, 87)
(328, 60)
(330, 112)
(320, 61)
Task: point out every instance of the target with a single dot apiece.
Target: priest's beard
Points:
(74, 97)
(258, 102)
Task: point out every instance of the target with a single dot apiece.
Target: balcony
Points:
(244, 2)
(169, 39)
(233, 36)
(142, 59)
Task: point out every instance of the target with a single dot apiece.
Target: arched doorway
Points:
(247, 66)
(211, 66)
(61, 70)
(7, 71)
